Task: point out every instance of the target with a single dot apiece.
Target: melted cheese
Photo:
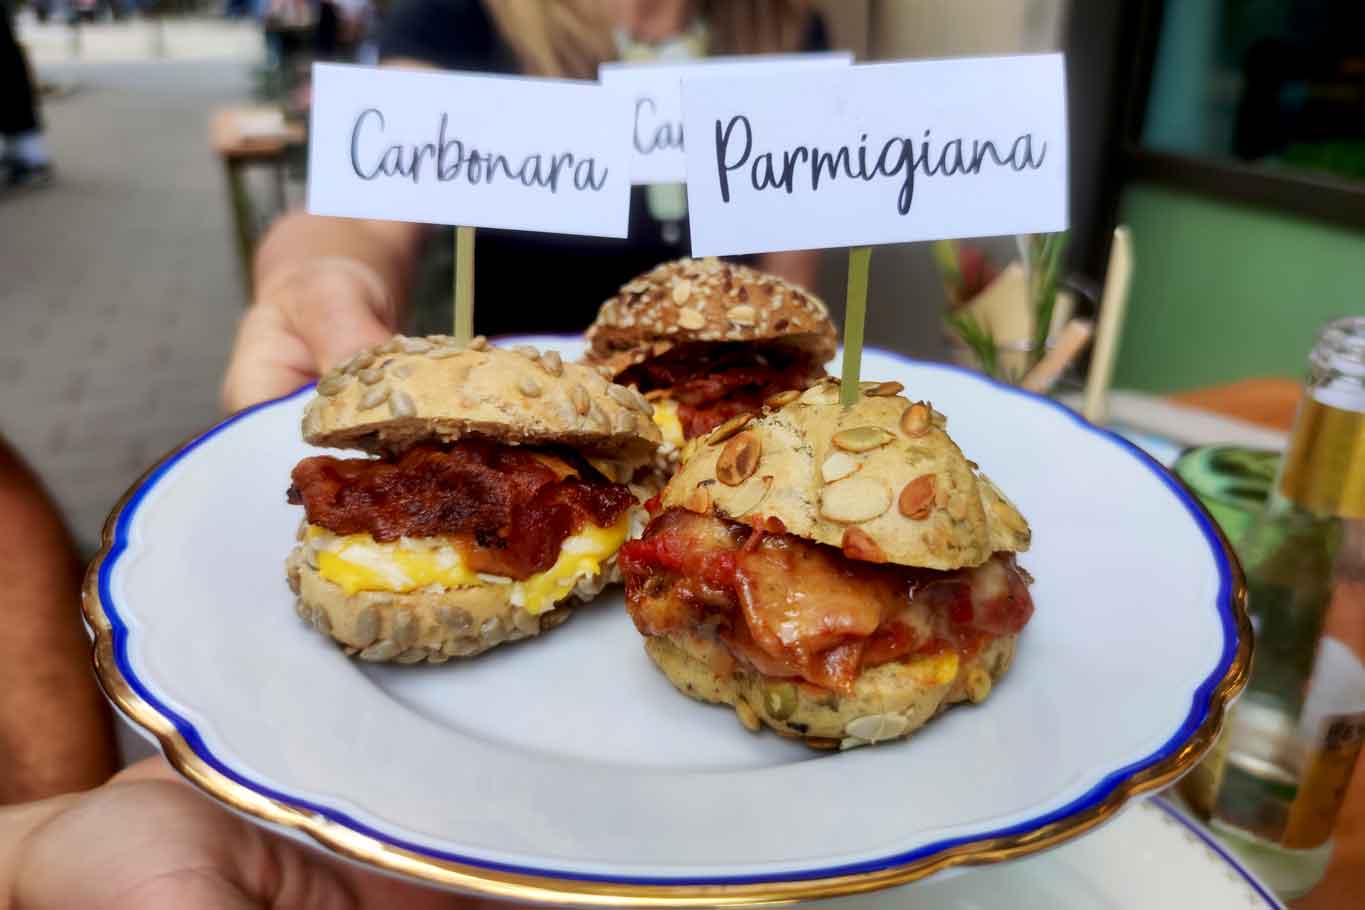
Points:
(357, 562)
(666, 419)
(935, 669)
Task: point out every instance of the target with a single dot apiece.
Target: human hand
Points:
(146, 840)
(303, 322)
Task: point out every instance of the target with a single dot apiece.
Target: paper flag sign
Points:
(484, 151)
(875, 154)
(654, 90)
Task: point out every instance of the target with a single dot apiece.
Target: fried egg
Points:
(357, 562)
(666, 419)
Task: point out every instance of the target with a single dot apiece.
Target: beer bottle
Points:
(1283, 765)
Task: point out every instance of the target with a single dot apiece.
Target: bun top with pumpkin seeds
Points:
(881, 479)
(413, 390)
(705, 300)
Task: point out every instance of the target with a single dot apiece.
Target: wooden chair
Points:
(245, 137)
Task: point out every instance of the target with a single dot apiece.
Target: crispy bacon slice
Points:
(713, 382)
(512, 507)
(793, 608)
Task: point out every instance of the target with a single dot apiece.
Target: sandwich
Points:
(840, 575)
(490, 497)
(707, 340)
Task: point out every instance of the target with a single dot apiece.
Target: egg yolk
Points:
(666, 419)
(357, 562)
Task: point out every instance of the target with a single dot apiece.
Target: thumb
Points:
(154, 768)
(303, 325)
(344, 309)
(267, 360)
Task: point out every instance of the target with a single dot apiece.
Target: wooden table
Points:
(1271, 403)
(252, 137)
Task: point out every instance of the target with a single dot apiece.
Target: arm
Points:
(55, 733)
(324, 288)
(800, 267)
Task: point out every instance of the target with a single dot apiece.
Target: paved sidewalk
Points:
(118, 286)
(140, 40)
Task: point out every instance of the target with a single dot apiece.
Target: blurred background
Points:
(1228, 134)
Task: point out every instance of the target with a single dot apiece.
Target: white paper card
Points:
(655, 92)
(485, 151)
(876, 154)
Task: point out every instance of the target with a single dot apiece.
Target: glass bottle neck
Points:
(1324, 466)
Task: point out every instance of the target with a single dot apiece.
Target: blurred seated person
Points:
(55, 733)
(341, 28)
(23, 144)
(326, 287)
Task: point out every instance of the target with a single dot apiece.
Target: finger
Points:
(199, 889)
(154, 768)
(304, 322)
(375, 891)
(268, 359)
(276, 870)
(284, 874)
(337, 315)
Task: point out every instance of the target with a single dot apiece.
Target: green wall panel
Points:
(1223, 292)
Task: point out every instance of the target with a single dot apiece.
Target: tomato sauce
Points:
(796, 609)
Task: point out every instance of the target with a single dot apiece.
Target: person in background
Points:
(327, 287)
(26, 158)
(55, 733)
(327, 32)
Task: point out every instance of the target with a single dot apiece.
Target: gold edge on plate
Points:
(572, 892)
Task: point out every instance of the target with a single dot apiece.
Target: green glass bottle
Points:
(1276, 778)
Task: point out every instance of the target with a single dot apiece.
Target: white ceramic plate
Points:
(1152, 856)
(567, 769)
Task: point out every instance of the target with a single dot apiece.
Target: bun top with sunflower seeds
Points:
(705, 300)
(881, 479)
(408, 391)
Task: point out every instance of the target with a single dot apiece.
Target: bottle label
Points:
(1324, 469)
(1323, 787)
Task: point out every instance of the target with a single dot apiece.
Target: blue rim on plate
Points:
(1220, 851)
(187, 751)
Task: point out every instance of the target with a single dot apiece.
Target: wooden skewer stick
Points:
(1113, 304)
(464, 284)
(1071, 340)
(855, 315)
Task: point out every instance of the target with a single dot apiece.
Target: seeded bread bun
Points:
(880, 479)
(690, 300)
(410, 390)
(889, 701)
(431, 625)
